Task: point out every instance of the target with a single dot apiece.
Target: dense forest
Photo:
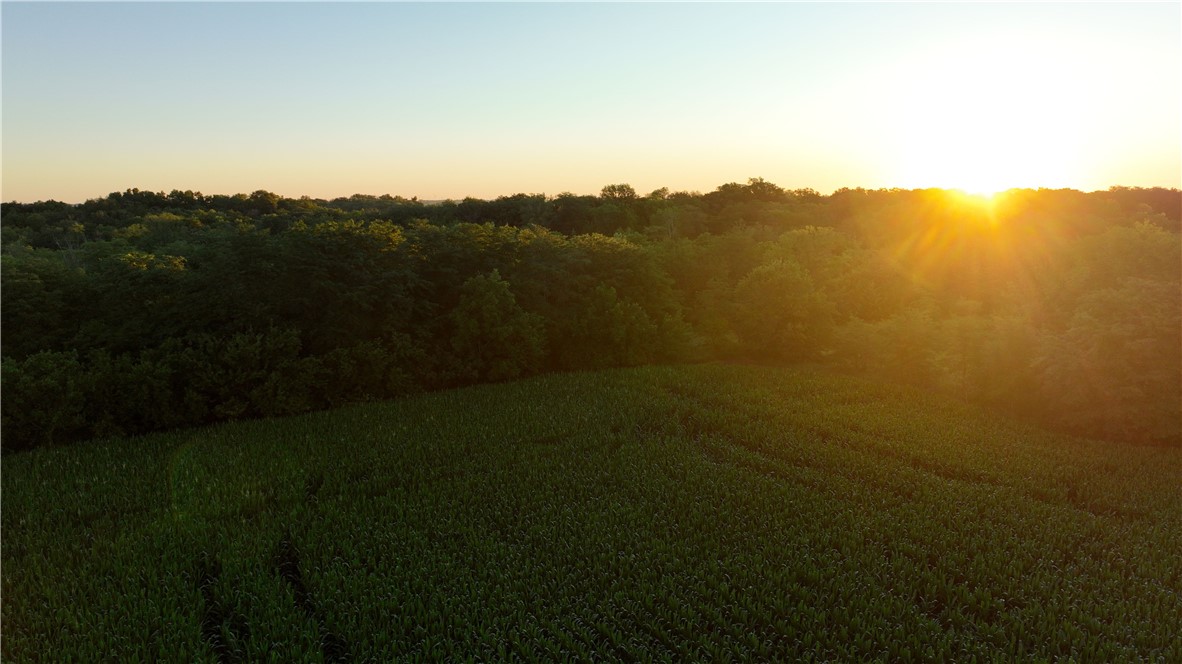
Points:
(146, 311)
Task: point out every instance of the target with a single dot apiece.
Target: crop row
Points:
(700, 513)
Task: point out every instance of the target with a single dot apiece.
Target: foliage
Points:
(43, 400)
(144, 311)
(494, 338)
(780, 314)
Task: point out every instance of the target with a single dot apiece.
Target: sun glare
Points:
(984, 122)
(982, 205)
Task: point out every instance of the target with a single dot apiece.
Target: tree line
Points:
(145, 311)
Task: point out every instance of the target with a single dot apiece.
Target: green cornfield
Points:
(702, 513)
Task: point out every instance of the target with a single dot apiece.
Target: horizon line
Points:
(415, 198)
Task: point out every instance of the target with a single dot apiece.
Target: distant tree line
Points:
(146, 311)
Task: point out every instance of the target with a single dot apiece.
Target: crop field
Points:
(704, 513)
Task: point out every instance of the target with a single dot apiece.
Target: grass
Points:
(657, 514)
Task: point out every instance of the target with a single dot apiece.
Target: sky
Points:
(452, 100)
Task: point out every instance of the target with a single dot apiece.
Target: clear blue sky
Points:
(451, 100)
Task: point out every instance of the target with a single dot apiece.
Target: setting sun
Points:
(984, 120)
(958, 96)
(984, 202)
